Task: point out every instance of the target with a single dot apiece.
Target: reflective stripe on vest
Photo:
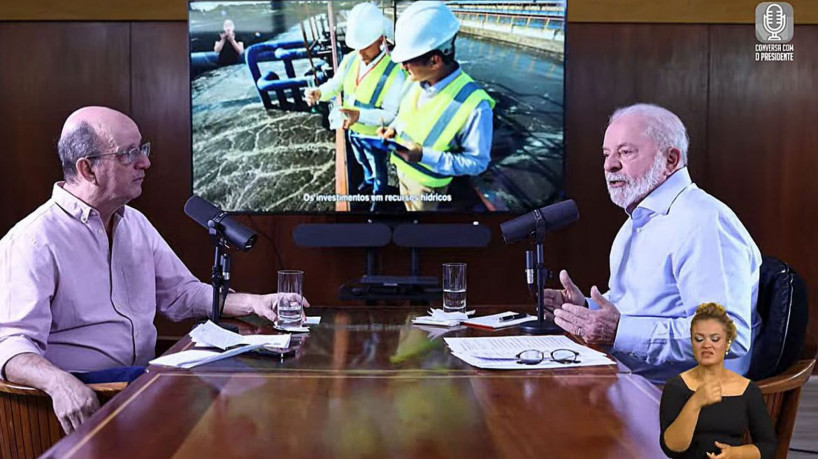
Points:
(369, 94)
(436, 124)
(376, 100)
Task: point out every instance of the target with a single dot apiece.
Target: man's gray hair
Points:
(79, 143)
(662, 126)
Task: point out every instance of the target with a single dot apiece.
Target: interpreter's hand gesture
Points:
(726, 452)
(570, 293)
(708, 393)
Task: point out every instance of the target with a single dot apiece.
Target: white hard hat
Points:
(389, 29)
(424, 26)
(365, 25)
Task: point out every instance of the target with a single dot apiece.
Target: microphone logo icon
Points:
(774, 22)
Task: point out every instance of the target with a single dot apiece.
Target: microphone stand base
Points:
(535, 327)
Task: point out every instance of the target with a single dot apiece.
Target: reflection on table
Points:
(366, 383)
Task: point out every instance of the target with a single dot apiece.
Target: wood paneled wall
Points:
(680, 11)
(751, 124)
(752, 141)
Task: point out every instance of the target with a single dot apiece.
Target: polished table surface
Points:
(366, 383)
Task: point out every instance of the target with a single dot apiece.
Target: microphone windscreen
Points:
(560, 215)
(236, 234)
(200, 210)
(519, 228)
(555, 216)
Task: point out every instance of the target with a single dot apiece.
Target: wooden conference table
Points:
(366, 383)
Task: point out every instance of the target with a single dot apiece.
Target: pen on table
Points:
(521, 315)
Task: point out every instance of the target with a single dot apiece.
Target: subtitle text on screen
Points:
(432, 197)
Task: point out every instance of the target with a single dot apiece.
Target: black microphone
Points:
(206, 214)
(552, 218)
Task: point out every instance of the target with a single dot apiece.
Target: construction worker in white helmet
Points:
(371, 84)
(445, 119)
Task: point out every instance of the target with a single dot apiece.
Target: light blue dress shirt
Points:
(680, 247)
(474, 139)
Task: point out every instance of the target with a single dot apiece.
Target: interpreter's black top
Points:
(228, 54)
(724, 422)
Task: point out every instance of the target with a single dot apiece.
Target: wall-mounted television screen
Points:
(289, 105)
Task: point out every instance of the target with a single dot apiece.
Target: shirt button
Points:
(99, 231)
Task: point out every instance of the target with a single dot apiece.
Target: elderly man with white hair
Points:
(679, 247)
(84, 275)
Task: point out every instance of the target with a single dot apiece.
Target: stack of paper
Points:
(211, 335)
(500, 353)
(436, 332)
(193, 358)
(444, 319)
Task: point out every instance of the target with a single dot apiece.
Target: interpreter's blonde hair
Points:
(716, 312)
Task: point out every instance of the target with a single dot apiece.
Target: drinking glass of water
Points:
(290, 305)
(454, 287)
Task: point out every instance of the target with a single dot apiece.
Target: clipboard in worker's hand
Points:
(383, 144)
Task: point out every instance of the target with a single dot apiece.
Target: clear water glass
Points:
(454, 287)
(290, 304)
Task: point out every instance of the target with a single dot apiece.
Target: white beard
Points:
(636, 189)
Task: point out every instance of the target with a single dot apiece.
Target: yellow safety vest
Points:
(436, 123)
(372, 89)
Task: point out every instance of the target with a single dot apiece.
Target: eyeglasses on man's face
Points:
(534, 357)
(129, 156)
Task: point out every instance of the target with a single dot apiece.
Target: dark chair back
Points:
(783, 308)
(782, 394)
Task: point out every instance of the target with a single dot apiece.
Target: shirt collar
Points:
(432, 89)
(373, 62)
(660, 199)
(74, 206)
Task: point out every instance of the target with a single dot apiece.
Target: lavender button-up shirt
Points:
(85, 306)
